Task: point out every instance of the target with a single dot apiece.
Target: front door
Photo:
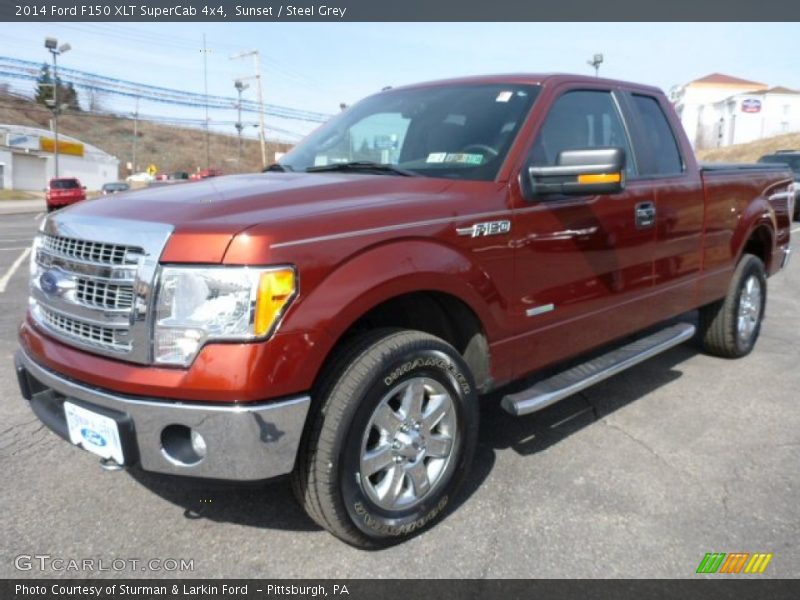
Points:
(584, 264)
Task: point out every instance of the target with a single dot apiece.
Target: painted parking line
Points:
(15, 248)
(796, 230)
(38, 216)
(13, 269)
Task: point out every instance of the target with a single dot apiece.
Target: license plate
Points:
(93, 432)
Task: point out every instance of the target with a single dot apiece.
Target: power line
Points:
(29, 70)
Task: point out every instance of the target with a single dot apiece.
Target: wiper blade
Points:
(278, 167)
(362, 165)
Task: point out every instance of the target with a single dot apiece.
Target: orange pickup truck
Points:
(338, 317)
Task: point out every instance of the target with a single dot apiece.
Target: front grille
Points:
(101, 294)
(95, 252)
(95, 294)
(87, 333)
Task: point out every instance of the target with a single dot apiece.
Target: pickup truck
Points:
(338, 317)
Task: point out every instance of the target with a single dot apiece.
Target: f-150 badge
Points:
(487, 228)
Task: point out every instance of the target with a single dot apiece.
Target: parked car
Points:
(339, 318)
(205, 174)
(140, 178)
(63, 191)
(791, 158)
(115, 187)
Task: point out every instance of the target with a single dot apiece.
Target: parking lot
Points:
(639, 476)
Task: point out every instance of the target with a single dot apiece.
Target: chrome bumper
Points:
(243, 442)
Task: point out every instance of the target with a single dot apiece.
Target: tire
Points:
(730, 327)
(396, 410)
(50, 208)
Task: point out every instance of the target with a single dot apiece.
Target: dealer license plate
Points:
(93, 432)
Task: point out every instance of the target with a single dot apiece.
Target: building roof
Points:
(778, 89)
(89, 151)
(722, 79)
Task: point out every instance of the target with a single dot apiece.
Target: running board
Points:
(578, 378)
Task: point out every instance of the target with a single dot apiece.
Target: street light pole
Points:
(135, 135)
(596, 61)
(205, 85)
(257, 77)
(240, 87)
(52, 45)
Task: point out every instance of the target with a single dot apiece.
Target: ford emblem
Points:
(93, 437)
(49, 283)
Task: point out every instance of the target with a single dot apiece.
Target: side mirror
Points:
(581, 172)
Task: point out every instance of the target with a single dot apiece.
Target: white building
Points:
(27, 160)
(720, 110)
(752, 116)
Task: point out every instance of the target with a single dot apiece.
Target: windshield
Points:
(456, 131)
(793, 161)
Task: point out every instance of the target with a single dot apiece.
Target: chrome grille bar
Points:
(94, 252)
(83, 332)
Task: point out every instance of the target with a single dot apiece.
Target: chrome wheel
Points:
(750, 301)
(408, 443)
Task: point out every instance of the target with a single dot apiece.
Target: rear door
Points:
(677, 191)
(584, 264)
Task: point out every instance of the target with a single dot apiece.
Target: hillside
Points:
(170, 148)
(750, 152)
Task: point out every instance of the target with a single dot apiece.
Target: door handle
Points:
(645, 214)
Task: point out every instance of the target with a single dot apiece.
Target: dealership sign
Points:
(64, 146)
(751, 105)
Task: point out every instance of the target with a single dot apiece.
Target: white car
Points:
(140, 178)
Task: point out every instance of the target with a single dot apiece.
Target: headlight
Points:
(196, 305)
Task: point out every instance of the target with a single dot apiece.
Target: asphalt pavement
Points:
(640, 476)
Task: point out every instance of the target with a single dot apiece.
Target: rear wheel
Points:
(730, 327)
(391, 440)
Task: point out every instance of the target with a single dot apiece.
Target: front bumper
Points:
(243, 442)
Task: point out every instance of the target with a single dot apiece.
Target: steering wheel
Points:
(483, 147)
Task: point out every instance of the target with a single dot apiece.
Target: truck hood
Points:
(207, 214)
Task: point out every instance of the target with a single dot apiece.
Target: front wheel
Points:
(730, 327)
(391, 440)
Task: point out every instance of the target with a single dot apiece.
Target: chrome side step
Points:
(582, 376)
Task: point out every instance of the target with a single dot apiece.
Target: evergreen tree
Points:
(44, 90)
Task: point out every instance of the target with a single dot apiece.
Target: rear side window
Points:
(577, 120)
(666, 158)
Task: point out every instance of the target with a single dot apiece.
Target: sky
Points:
(317, 66)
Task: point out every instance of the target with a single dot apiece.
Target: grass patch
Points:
(16, 195)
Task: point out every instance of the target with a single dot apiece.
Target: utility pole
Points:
(596, 61)
(135, 135)
(257, 77)
(205, 83)
(240, 87)
(52, 45)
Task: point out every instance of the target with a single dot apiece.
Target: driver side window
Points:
(577, 120)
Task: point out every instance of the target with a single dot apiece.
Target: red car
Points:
(64, 191)
(205, 174)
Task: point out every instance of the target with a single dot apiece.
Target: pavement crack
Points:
(638, 442)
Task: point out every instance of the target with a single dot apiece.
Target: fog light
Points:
(182, 446)
(198, 444)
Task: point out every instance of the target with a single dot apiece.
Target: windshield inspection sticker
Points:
(462, 158)
(504, 96)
